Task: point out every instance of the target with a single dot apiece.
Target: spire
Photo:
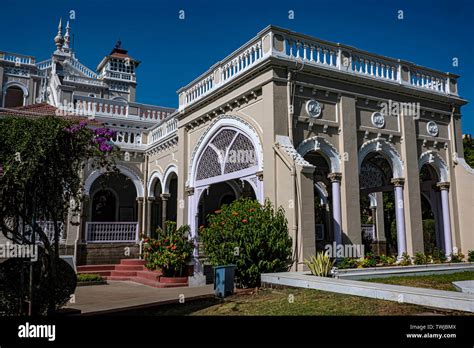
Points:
(58, 40)
(67, 37)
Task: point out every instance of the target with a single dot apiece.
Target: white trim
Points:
(172, 168)
(434, 159)
(380, 145)
(229, 121)
(323, 147)
(151, 182)
(15, 84)
(123, 170)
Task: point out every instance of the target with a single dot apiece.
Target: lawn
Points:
(438, 281)
(293, 301)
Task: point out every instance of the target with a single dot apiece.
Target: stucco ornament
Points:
(432, 128)
(313, 108)
(378, 119)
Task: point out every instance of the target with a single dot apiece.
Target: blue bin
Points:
(224, 280)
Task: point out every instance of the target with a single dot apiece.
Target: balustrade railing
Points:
(17, 58)
(82, 68)
(165, 129)
(48, 229)
(84, 80)
(283, 44)
(45, 64)
(111, 232)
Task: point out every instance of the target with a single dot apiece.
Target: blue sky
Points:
(174, 51)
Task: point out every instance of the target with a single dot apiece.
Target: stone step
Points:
(135, 262)
(94, 268)
(124, 273)
(130, 268)
(152, 275)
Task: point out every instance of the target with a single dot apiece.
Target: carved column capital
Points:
(151, 199)
(335, 177)
(398, 181)
(443, 185)
(165, 196)
(259, 175)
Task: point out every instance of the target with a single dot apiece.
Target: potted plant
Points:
(170, 253)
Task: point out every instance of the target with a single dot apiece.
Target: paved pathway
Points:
(123, 295)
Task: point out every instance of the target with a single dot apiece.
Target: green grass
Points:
(306, 302)
(438, 281)
(89, 277)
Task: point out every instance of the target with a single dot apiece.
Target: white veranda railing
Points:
(111, 232)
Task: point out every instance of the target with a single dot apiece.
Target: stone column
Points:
(448, 243)
(348, 149)
(336, 205)
(140, 215)
(149, 210)
(84, 218)
(400, 216)
(164, 208)
(379, 220)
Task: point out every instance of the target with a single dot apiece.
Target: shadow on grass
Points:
(186, 308)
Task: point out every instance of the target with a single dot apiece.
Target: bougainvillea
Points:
(42, 161)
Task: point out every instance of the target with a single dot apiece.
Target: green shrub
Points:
(251, 236)
(470, 256)
(347, 262)
(387, 260)
(89, 277)
(420, 259)
(458, 257)
(320, 264)
(438, 256)
(406, 260)
(368, 261)
(170, 252)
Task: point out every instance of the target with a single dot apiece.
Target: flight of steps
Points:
(132, 270)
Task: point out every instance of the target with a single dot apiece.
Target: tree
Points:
(468, 145)
(42, 161)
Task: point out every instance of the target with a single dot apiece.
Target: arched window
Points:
(13, 97)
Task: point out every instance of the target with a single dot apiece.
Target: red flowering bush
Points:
(251, 236)
(170, 251)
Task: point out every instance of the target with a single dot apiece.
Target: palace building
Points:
(333, 134)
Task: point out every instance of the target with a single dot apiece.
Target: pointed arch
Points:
(231, 124)
(172, 168)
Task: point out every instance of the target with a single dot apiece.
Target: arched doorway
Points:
(322, 200)
(216, 195)
(114, 210)
(434, 190)
(381, 177)
(14, 97)
(379, 232)
(227, 160)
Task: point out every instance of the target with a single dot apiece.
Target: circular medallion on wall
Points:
(378, 119)
(313, 108)
(432, 128)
